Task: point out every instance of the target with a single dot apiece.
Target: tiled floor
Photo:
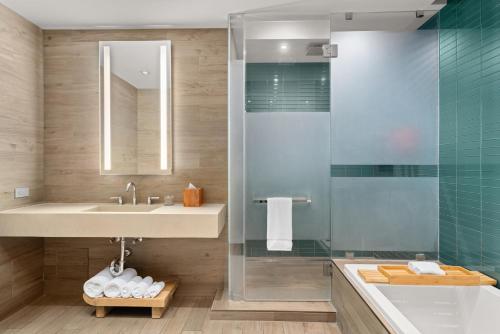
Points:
(188, 315)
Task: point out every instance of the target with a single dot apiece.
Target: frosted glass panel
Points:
(385, 123)
(385, 214)
(385, 97)
(287, 154)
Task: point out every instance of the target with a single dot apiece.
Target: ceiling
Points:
(102, 14)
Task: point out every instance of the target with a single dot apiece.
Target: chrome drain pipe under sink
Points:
(117, 265)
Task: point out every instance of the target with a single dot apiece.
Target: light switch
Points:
(22, 192)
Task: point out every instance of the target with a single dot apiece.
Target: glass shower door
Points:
(287, 154)
(385, 135)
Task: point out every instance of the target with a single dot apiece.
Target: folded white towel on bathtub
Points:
(114, 287)
(129, 287)
(94, 287)
(154, 290)
(141, 287)
(425, 268)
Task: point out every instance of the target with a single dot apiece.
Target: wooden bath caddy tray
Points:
(402, 275)
(158, 305)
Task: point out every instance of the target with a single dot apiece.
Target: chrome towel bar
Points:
(295, 200)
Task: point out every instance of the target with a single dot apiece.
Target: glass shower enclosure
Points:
(279, 147)
(340, 112)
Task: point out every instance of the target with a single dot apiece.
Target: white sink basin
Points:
(98, 220)
(123, 208)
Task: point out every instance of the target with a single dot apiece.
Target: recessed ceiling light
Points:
(144, 72)
(284, 46)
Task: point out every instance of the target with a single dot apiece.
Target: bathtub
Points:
(411, 309)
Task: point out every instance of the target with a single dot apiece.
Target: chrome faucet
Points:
(134, 198)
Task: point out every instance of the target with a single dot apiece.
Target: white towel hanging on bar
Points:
(279, 224)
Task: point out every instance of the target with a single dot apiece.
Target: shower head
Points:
(322, 49)
(315, 50)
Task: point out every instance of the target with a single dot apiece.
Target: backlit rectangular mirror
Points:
(135, 107)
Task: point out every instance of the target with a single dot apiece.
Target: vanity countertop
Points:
(113, 220)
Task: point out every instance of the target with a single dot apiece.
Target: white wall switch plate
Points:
(22, 192)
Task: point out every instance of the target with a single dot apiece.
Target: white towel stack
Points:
(141, 287)
(425, 268)
(154, 290)
(126, 285)
(94, 287)
(129, 287)
(113, 288)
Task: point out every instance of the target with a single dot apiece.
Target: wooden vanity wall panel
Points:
(199, 89)
(21, 109)
(21, 153)
(199, 264)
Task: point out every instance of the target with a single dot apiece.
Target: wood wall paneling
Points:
(21, 153)
(21, 109)
(199, 264)
(59, 73)
(199, 89)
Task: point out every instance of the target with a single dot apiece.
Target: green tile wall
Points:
(383, 170)
(287, 87)
(469, 151)
(302, 248)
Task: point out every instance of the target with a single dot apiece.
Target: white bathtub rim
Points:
(399, 323)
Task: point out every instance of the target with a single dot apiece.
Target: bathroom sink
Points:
(123, 208)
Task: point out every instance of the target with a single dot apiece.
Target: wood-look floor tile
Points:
(187, 315)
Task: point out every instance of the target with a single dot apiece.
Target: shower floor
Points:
(287, 279)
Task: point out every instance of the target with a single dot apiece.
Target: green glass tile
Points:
(384, 171)
(288, 87)
(470, 90)
(491, 246)
(469, 247)
(491, 226)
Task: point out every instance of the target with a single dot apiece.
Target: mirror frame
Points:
(166, 137)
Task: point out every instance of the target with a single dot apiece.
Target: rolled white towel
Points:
(94, 287)
(141, 287)
(425, 268)
(113, 288)
(154, 290)
(127, 289)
